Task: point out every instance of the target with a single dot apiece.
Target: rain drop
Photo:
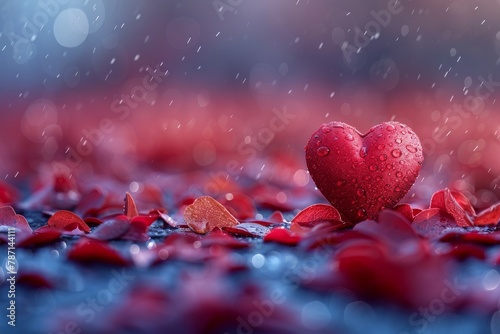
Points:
(326, 129)
(383, 157)
(323, 151)
(411, 149)
(399, 140)
(396, 153)
(363, 152)
(381, 147)
(361, 213)
(361, 192)
(399, 174)
(349, 137)
(373, 168)
(390, 127)
(398, 189)
(341, 183)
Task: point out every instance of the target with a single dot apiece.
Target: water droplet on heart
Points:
(381, 147)
(341, 183)
(354, 180)
(396, 153)
(399, 140)
(406, 179)
(361, 213)
(403, 132)
(381, 199)
(326, 129)
(336, 138)
(367, 178)
(398, 189)
(373, 168)
(316, 136)
(323, 151)
(363, 152)
(410, 148)
(390, 127)
(399, 174)
(340, 126)
(349, 137)
(360, 192)
(378, 178)
(401, 162)
(383, 157)
(389, 166)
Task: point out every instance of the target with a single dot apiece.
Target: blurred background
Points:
(125, 89)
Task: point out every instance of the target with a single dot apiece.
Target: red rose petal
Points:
(41, 236)
(453, 208)
(490, 216)
(406, 210)
(34, 280)
(464, 251)
(8, 194)
(146, 219)
(130, 209)
(437, 200)
(282, 236)
(206, 213)
(111, 229)
(317, 212)
(8, 217)
(94, 251)
(455, 204)
(433, 223)
(62, 218)
(463, 201)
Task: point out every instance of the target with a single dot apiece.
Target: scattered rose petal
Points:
(490, 216)
(63, 218)
(406, 210)
(34, 280)
(282, 236)
(9, 218)
(40, 237)
(458, 212)
(95, 251)
(465, 251)
(455, 204)
(130, 209)
(206, 213)
(317, 212)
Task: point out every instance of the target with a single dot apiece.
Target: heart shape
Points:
(361, 175)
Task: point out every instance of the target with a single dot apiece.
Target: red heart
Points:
(363, 174)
